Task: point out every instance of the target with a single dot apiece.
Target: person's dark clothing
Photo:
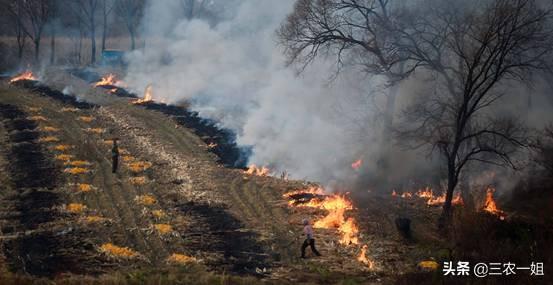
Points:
(114, 157)
(311, 243)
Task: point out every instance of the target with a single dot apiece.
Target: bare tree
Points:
(107, 8)
(86, 10)
(471, 49)
(36, 14)
(54, 12)
(131, 12)
(15, 9)
(361, 30)
(193, 8)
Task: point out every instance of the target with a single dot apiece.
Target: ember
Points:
(27, 75)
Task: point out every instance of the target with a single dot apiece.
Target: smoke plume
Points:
(313, 125)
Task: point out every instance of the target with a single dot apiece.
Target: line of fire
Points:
(279, 142)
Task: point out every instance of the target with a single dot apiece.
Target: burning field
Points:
(294, 142)
(163, 196)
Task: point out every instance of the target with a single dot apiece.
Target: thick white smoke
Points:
(235, 73)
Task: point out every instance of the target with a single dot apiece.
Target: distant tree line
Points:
(30, 21)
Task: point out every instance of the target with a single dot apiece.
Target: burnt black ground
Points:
(219, 231)
(35, 247)
(44, 90)
(224, 140)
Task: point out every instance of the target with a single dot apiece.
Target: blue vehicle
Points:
(113, 57)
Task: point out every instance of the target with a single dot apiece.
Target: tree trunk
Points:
(104, 28)
(37, 49)
(133, 40)
(445, 218)
(389, 113)
(53, 45)
(20, 49)
(79, 54)
(93, 44)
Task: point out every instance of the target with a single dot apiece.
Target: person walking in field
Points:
(309, 239)
(114, 156)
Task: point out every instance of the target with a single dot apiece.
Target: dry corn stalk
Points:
(50, 129)
(69, 109)
(163, 229)
(95, 130)
(139, 166)
(127, 158)
(83, 187)
(177, 258)
(75, 170)
(139, 180)
(37, 118)
(63, 147)
(117, 251)
(75, 208)
(159, 214)
(93, 219)
(146, 200)
(86, 119)
(64, 157)
(48, 139)
(77, 163)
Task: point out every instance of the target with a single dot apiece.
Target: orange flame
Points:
(357, 164)
(27, 75)
(425, 193)
(109, 79)
(490, 206)
(431, 199)
(362, 257)
(406, 195)
(439, 200)
(148, 96)
(332, 202)
(259, 171)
